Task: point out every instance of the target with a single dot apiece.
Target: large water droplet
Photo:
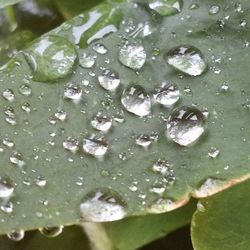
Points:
(51, 58)
(6, 188)
(16, 235)
(101, 122)
(167, 95)
(135, 100)
(187, 59)
(132, 55)
(166, 7)
(102, 206)
(51, 232)
(95, 145)
(185, 125)
(109, 79)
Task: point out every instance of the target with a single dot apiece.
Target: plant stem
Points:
(97, 236)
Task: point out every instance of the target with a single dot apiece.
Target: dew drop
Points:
(87, 61)
(6, 188)
(26, 107)
(109, 79)
(95, 145)
(51, 232)
(103, 206)
(143, 141)
(16, 235)
(100, 49)
(60, 114)
(25, 90)
(8, 142)
(185, 125)
(7, 207)
(161, 206)
(40, 181)
(214, 9)
(135, 100)
(166, 7)
(73, 92)
(51, 58)
(214, 152)
(8, 95)
(167, 95)
(101, 122)
(187, 59)
(132, 55)
(17, 159)
(71, 144)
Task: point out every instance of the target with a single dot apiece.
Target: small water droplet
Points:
(60, 114)
(214, 9)
(7, 207)
(132, 55)
(17, 159)
(6, 188)
(8, 94)
(167, 95)
(101, 122)
(166, 7)
(26, 107)
(51, 232)
(143, 140)
(16, 235)
(51, 58)
(185, 125)
(95, 145)
(87, 61)
(103, 206)
(40, 181)
(71, 144)
(109, 79)
(100, 49)
(161, 206)
(135, 100)
(8, 142)
(187, 59)
(73, 92)
(25, 90)
(214, 152)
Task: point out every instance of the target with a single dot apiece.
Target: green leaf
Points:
(139, 231)
(4, 3)
(222, 221)
(126, 169)
(71, 238)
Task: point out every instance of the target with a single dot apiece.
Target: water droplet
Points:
(161, 206)
(109, 79)
(51, 58)
(73, 92)
(16, 235)
(132, 55)
(103, 206)
(25, 90)
(135, 100)
(40, 181)
(214, 9)
(71, 144)
(166, 7)
(17, 159)
(214, 152)
(167, 95)
(101, 122)
(8, 94)
(100, 48)
(185, 125)
(95, 145)
(209, 186)
(8, 142)
(143, 140)
(26, 107)
(87, 61)
(51, 232)
(6, 188)
(187, 59)
(7, 207)
(60, 114)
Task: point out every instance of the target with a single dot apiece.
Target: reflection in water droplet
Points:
(8, 94)
(100, 48)
(214, 152)
(87, 61)
(73, 92)
(167, 95)
(6, 188)
(103, 206)
(214, 9)
(16, 235)
(109, 79)
(51, 58)
(95, 145)
(101, 122)
(185, 125)
(71, 144)
(135, 100)
(51, 232)
(132, 55)
(166, 7)
(187, 59)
